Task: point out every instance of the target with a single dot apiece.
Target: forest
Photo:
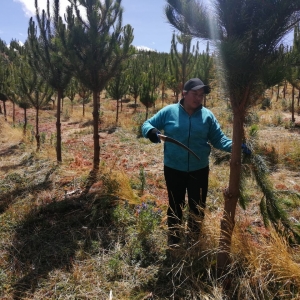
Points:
(82, 194)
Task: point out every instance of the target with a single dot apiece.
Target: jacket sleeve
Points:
(217, 138)
(154, 122)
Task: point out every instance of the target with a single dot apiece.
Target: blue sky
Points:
(151, 29)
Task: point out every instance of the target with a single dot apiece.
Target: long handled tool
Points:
(171, 140)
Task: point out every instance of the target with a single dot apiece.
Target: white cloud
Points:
(144, 48)
(29, 8)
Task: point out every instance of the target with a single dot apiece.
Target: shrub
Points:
(43, 137)
(148, 218)
(138, 119)
(276, 119)
(271, 155)
(252, 118)
(266, 103)
(123, 215)
(284, 105)
(111, 184)
(292, 159)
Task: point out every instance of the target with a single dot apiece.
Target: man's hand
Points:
(245, 149)
(153, 135)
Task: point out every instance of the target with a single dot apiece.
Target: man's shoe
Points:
(173, 241)
(192, 239)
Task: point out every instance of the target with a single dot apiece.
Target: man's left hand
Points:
(246, 149)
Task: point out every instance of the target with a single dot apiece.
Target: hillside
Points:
(59, 241)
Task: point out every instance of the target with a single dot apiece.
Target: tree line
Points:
(91, 51)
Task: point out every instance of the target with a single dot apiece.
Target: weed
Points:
(139, 183)
(66, 115)
(111, 184)
(292, 159)
(138, 119)
(148, 218)
(288, 124)
(115, 265)
(142, 178)
(285, 104)
(266, 103)
(252, 118)
(101, 117)
(122, 215)
(271, 155)
(14, 178)
(32, 136)
(229, 118)
(43, 137)
(276, 119)
(53, 138)
(253, 129)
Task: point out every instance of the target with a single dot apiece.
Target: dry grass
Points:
(58, 242)
(268, 262)
(9, 134)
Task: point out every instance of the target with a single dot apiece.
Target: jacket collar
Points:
(181, 104)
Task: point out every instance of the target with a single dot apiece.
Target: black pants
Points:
(195, 183)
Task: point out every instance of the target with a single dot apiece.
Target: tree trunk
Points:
(135, 100)
(293, 104)
(14, 112)
(147, 112)
(96, 131)
(231, 194)
(272, 92)
(37, 133)
(152, 95)
(162, 95)
(58, 126)
(4, 109)
(25, 121)
(117, 112)
(98, 106)
(284, 89)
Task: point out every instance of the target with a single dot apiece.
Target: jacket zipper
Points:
(190, 125)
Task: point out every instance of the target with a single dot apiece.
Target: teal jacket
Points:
(194, 131)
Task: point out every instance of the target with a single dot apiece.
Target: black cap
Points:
(193, 84)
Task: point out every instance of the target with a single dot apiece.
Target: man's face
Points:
(193, 99)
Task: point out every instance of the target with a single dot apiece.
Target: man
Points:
(195, 126)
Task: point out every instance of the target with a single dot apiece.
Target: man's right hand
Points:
(153, 135)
